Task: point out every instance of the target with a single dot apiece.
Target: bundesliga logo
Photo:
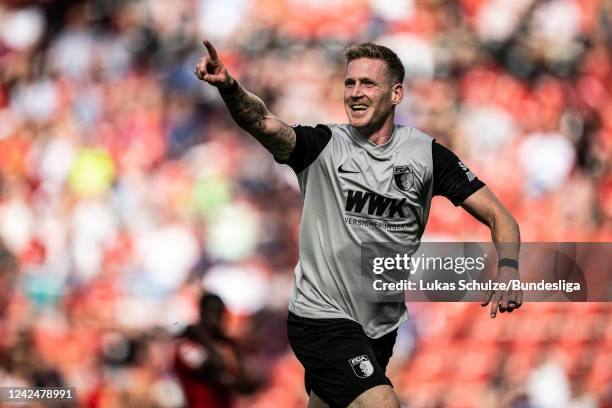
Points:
(362, 367)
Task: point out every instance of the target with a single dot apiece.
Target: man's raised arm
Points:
(247, 110)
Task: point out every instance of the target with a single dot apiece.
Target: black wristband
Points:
(511, 263)
(230, 89)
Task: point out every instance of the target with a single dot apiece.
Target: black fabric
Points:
(309, 143)
(325, 347)
(451, 178)
(510, 263)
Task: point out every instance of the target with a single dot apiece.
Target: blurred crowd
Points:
(126, 190)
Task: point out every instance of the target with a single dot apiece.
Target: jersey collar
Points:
(377, 151)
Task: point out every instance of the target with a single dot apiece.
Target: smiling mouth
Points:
(359, 107)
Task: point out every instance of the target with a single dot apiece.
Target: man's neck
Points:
(379, 134)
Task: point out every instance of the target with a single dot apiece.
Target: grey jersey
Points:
(355, 191)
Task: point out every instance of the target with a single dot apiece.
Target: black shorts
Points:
(341, 362)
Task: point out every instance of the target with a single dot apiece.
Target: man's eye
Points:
(368, 84)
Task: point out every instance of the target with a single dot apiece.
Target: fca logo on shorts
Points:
(362, 367)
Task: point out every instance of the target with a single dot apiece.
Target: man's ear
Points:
(397, 94)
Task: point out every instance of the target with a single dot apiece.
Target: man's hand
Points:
(212, 70)
(507, 300)
(248, 111)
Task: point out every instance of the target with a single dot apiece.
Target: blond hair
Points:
(375, 51)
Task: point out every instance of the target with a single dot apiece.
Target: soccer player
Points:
(368, 180)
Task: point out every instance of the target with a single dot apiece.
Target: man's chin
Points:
(359, 123)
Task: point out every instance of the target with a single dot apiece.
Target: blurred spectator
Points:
(209, 364)
(547, 386)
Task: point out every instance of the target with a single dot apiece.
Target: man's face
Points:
(369, 92)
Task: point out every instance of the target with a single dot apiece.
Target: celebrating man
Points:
(368, 180)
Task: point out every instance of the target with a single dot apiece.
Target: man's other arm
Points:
(248, 111)
(453, 180)
(485, 207)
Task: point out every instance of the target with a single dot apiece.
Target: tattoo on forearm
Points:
(281, 145)
(246, 109)
(250, 113)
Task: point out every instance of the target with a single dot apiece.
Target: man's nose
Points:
(356, 92)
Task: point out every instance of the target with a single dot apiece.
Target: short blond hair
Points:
(375, 51)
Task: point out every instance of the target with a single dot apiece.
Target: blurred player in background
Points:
(370, 180)
(209, 364)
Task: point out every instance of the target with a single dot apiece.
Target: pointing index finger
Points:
(211, 50)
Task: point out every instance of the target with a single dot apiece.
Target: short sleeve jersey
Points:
(355, 191)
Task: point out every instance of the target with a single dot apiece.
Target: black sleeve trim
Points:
(309, 143)
(451, 178)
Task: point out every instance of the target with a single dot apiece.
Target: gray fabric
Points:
(327, 276)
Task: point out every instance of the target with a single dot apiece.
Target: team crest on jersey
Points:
(404, 177)
(362, 367)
